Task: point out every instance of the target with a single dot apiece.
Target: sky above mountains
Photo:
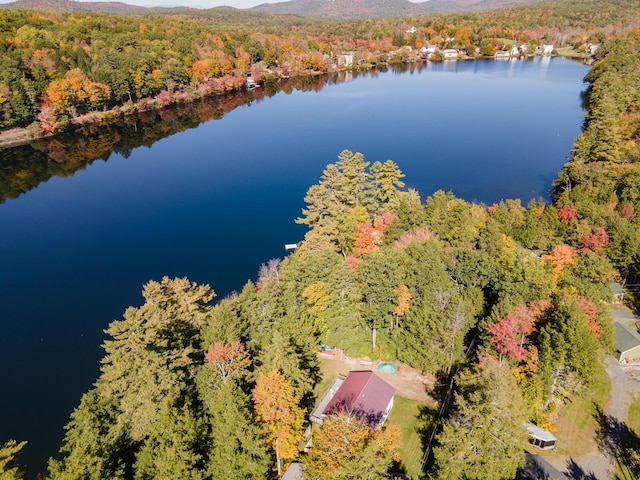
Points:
(197, 3)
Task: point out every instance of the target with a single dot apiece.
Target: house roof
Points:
(540, 433)
(616, 288)
(316, 415)
(294, 472)
(626, 337)
(363, 392)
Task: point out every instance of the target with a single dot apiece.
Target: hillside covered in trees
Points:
(509, 299)
(61, 69)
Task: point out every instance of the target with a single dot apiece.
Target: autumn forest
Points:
(61, 70)
(506, 302)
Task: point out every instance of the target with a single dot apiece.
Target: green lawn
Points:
(631, 440)
(405, 415)
(329, 370)
(569, 52)
(577, 424)
(634, 416)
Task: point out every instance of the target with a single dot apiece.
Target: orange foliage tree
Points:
(346, 447)
(369, 237)
(590, 309)
(560, 257)
(278, 413)
(77, 90)
(402, 304)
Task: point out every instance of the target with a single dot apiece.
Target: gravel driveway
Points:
(625, 385)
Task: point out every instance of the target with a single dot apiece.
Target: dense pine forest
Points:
(507, 302)
(59, 70)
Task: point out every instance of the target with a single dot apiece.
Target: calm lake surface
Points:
(216, 200)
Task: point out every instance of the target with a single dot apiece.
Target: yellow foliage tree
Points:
(278, 413)
(347, 447)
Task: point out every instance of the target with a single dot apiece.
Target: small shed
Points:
(539, 437)
(627, 340)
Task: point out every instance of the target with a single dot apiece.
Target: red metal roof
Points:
(363, 393)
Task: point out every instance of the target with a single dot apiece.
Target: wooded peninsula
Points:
(506, 305)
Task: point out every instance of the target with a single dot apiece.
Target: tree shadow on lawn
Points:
(616, 440)
(430, 418)
(576, 472)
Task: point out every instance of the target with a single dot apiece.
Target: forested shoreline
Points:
(59, 71)
(508, 301)
(191, 389)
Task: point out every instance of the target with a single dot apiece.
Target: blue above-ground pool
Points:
(386, 367)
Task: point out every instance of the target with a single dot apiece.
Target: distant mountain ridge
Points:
(381, 8)
(108, 7)
(118, 8)
(335, 9)
(344, 8)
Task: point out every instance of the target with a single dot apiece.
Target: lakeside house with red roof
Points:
(362, 393)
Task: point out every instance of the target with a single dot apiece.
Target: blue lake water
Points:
(215, 201)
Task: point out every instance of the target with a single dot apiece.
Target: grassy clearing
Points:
(329, 370)
(406, 416)
(627, 469)
(633, 421)
(577, 425)
(569, 52)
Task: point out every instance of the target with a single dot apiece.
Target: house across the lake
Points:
(362, 393)
(345, 59)
(450, 53)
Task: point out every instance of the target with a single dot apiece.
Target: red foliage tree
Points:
(595, 241)
(227, 360)
(628, 211)
(164, 98)
(567, 213)
(384, 220)
(590, 309)
(353, 262)
(508, 334)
